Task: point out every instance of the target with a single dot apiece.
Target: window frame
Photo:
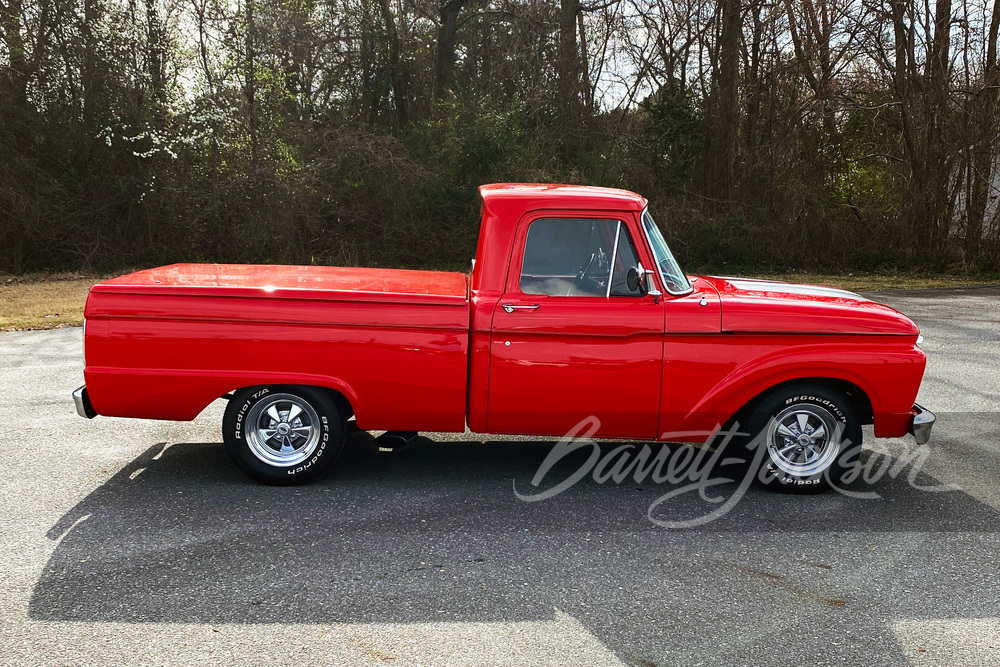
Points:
(626, 219)
(659, 271)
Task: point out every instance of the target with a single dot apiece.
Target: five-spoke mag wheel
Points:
(802, 439)
(283, 430)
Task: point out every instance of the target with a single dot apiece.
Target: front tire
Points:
(283, 435)
(811, 433)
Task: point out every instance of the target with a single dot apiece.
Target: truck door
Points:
(570, 339)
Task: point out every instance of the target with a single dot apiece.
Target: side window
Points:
(568, 257)
(577, 257)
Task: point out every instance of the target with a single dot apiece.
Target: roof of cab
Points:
(542, 195)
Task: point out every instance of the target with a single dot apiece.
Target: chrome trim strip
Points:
(614, 256)
(770, 286)
(923, 422)
(82, 401)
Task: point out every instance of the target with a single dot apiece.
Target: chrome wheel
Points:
(803, 440)
(283, 430)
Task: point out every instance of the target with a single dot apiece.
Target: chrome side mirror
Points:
(641, 274)
(640, 281)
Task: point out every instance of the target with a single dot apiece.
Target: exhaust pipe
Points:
(82, 401)
(391, 440)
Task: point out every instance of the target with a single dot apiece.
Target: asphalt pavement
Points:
(129, 541)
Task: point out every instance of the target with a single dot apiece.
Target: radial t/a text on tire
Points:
(283, 434)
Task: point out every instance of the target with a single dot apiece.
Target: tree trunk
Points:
(154, 55)
(588, 88)
(397, 74)
(91, 75)
(447, 29)
(568, 61)
(753, 82)
(983, 151)
(17, 74)
(938, 172)
(722, 137)
(250, 86)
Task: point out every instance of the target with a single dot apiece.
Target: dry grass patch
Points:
(43, 302)
(874, 282)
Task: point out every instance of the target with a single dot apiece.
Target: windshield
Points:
(673, 278)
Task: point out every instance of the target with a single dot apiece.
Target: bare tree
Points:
(721, 150)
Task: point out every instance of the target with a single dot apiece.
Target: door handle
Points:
(510, 307)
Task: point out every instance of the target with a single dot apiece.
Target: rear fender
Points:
(182, 395)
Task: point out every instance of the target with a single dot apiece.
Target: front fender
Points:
(888, 369)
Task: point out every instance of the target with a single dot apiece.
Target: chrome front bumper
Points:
(83, 406)
(923, 422)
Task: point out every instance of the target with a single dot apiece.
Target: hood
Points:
(766, 306)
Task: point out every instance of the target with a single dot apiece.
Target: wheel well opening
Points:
(856, 395)
(341, 401)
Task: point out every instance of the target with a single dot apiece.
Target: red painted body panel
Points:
(707, 379)
(699, 312)
(573, 358)
(166, 355)
(432, 351)
(764, 306)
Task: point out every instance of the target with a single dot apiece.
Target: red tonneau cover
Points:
(328, 283)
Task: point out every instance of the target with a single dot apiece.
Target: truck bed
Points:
(164, 343)
(327, 283)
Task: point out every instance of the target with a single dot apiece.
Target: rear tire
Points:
(283, 435)
(811, 434)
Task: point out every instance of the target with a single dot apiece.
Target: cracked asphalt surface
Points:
(138, 542)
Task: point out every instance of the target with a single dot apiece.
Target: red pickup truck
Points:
(559, 321)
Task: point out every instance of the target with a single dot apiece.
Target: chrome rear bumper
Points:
(83, 406)
(923, 422)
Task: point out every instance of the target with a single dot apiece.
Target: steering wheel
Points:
(668, 279)
(581, 277)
